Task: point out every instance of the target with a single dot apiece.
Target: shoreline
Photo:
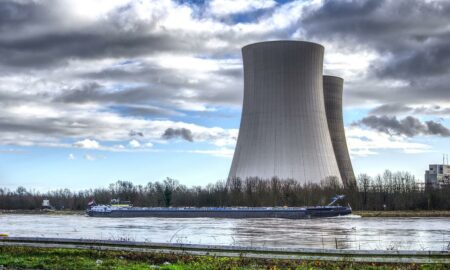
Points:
(42, 212)
(403, 213)
(367, 214)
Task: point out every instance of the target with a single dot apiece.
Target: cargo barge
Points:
(116, 209)
(226, 212)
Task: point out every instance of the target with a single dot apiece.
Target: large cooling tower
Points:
(283, 129)
(332, 90)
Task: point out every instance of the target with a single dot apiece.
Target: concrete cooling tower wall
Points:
(284, 131)
(332, 89)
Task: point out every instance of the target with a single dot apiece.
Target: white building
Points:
(437, 176)
(46, 204)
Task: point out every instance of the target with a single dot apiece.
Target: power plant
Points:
(332, 90)
(285, 126)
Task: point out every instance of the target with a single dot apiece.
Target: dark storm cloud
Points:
(17, 15)
(144, 110)
(183, 133)
(113, 36)
(341, 12)
(39, 39)
(87, 92)
(411, 37)
(376, 23)
(133, 133)
(434, 110)
(54, 48)
(40, 127)
(44, 126)
(14, 98)
(408, 126)
(119, 34)
(160, 85)
(437, 128)
(95, 93)
(398, 108)
(432, 59)
(390, 109)
(43, 130)
(137, 100)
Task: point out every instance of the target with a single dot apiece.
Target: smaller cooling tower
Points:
(332, 89)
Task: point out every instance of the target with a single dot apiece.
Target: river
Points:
(350, 232)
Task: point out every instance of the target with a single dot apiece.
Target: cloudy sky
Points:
(96, 91)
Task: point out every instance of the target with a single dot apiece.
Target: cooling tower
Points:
(332, 90)
(283, 130)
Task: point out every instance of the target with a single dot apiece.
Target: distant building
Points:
(437, 176)
(46, 204)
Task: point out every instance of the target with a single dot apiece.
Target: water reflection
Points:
(345, 233)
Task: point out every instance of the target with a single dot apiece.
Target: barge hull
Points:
(224, 213)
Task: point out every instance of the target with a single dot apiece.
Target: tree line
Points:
(387, 191)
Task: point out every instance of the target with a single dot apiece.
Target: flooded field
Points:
(351, 232)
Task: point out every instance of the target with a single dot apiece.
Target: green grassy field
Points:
(48, 258)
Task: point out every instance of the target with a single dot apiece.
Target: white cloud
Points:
(134, 143)
(92, 157)
(87, 143)
(227, 7)
(204, 49)
(71, 156)
(221, 152)
(350, 66)
(89, 157)
(149, 144)
(364, 142)
(87, 126)
(87, 10)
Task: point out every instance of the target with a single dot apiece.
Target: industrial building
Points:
(284, 130)
(332, 89)
(437, 176)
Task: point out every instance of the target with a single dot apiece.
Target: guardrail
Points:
(382, 256)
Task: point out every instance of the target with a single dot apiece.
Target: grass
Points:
(52, 258)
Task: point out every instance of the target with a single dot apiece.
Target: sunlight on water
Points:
(349, 216)
(350, 232)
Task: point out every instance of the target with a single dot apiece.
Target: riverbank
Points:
(420, 213)
(42, 212)
(57, 258)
